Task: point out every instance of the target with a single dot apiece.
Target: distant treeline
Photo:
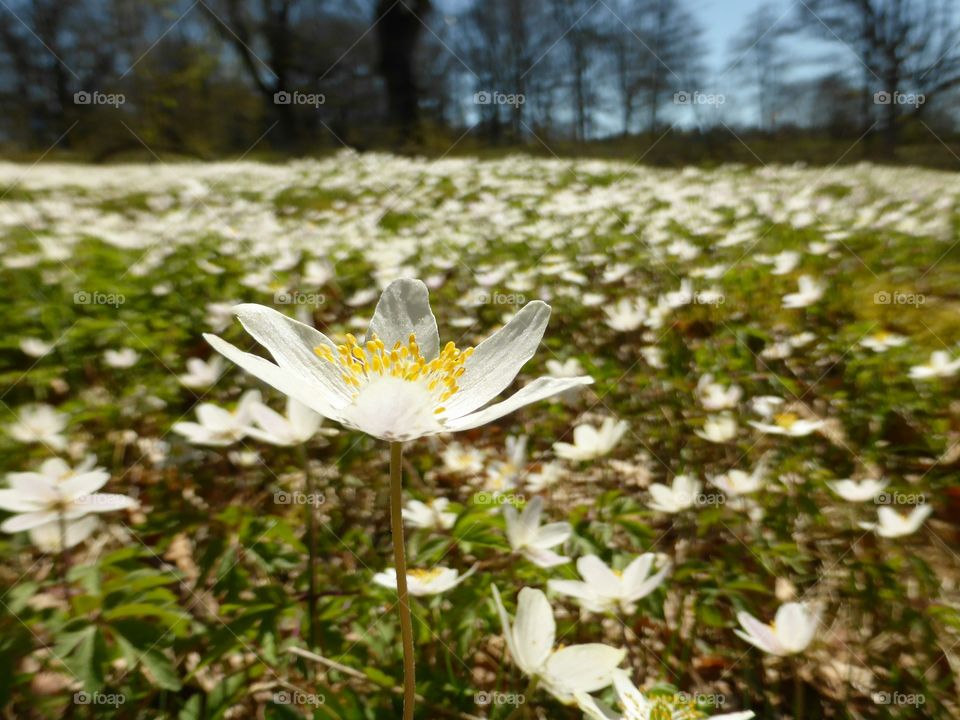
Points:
(103, 79)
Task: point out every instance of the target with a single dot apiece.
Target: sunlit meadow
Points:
(722, 480)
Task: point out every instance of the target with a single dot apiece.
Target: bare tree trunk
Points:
(398, 28)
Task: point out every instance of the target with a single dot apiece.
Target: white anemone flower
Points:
(788, 424)
(200, 374)
(300, 424)
(718, 429)
(637, 706)
(892, 524)
(604, 589)
(563, 672)
(940, 365)
(503, 474)
(41, 498)
(883, 341)
(398, 384)
(853, 491)
(738, 482)
(39, 423)
(527, 537)
(462, 460)
(790, 633)
(423, 582)
(680, 495)
(121, 359)
(35, 347)
(808, 292)
(714, 396)
(217, 426)
(429, 515)
(627, 315)
(591, 442)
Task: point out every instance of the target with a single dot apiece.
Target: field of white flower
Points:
(667, 444)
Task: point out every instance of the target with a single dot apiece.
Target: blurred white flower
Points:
(766, 405)
(528, 538)
(123, 358)
(300, 424)
(854, 491)
(563, 672)
(430, 515)
(892, 524)
(503, 474)
(784, 263)
(637, 706)
(35, 347)
(549, 474)
(788, 424)
(48, 538)
(423, 582)
(462, 460)
(627, 315)
(714, 396)
(680, 495)
(718, 429)
(809, 291)
(40, 498)
(653, 356)
(604, 590)
(39, 423)
(883, 341)
(200, 374)
(399, 384)
(790, 633)
(590, 442)
(217, 426)
(737, 482)
(940, 365)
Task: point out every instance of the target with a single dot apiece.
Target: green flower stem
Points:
(406, 623)
(309, 516)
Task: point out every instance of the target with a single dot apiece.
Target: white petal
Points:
(496, 361)
(84, 484)
(104, 502)
(551, 535)
(18, 502)
(572, 588)
(599, 576)
(302, 388)
(544, 558)
(292, 344)
(507, 630)
(19, 523)
(534, 628)
(404, 308)
(537, 390)
(583, 668)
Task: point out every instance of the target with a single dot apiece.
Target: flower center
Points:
(360, 363)
(786, 420)
(425, 575)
